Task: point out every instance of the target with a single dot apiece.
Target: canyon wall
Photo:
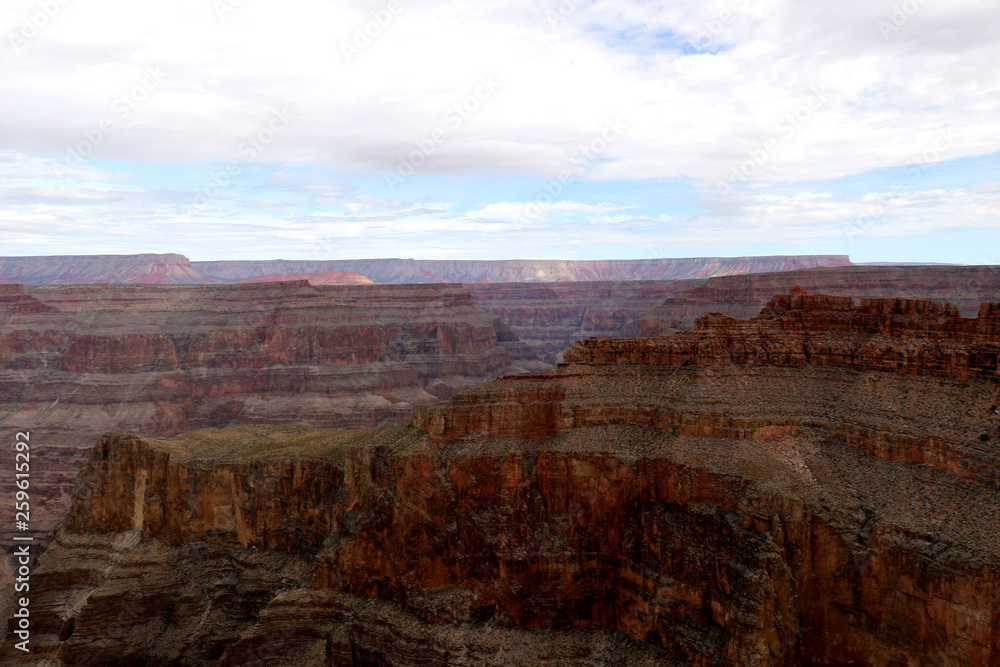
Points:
(159, 269)
(170, 268)
(818, 485)
(76, 361)
(550, 317)
(744, 296)
(523, 270)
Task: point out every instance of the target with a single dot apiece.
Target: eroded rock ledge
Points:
(604, 513)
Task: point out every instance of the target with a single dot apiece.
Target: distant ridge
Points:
(324, 278)
(149, 269)
(521, 270)
(170, 268)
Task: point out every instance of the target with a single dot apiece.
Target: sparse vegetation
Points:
(984, 437)
(242, 443)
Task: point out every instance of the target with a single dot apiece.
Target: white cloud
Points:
(521, 212)
(688, 116)
(703, 89)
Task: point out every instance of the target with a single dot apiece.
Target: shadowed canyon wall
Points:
(76, 361)
(819, 485)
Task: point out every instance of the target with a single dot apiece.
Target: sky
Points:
(563, 129)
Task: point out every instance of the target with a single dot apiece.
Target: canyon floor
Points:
(817, 485)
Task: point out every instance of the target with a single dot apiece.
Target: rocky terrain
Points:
(524, 270)
(817, 485)
(76, 361)
(168, 268)
(744, 296)
(551, 317)
(323, 278)
(177, 269)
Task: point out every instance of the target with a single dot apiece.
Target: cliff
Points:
(550, 317)
(323, 278)
(743, 296)
(76, 361)
(162, 269)
(749, 493)
(522, 270)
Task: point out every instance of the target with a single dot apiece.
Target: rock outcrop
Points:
(323, 278)
(780, 491)
(76, 361)
(171, 268)
(743, 296)
(523, 270)
(550, 317)
(152, 269)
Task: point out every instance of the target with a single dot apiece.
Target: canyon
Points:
(172, 268)
(76, 361)
(523, 270)
(819, 484)
(743, 296)
(551, 317)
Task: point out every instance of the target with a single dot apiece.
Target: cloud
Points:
(774, 98)
(688, 115)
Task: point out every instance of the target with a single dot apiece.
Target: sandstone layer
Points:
(743, 296)
(523, 270)
(171, 268)
(156, 269)
(819, 485)
(550, 317)
(78, 361)
(322, 278)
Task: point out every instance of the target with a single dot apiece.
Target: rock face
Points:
(174, 269)
(819, 485)
(523, 270)
(153, 269)
(550, 317)
(78, 361)
(744, 296)
(324, 278)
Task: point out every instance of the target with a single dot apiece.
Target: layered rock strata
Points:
(523, 270)
(171, 268)
(744, 295)
(550, 317)
(771, 492)
(149, 268)
(78, 361)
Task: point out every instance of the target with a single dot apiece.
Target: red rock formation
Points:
(550, 317)
(13, 300)
(522, 270)
(744, 296)
(77, 361)
(323, 278)
(152, 269)
(747, 493)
